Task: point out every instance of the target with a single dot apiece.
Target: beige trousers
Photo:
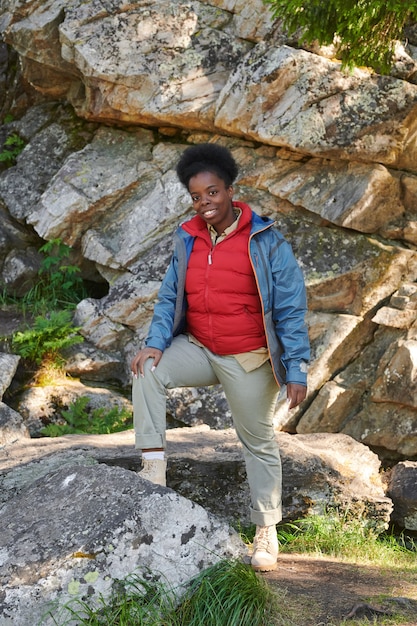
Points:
(251, 396)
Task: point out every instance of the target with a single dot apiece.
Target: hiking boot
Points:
(155, 471)
(265, 549)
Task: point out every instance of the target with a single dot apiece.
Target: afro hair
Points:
(207, 157)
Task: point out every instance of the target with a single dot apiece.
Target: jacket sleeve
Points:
(161, 329)
(289, 307)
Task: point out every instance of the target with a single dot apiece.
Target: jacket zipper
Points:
(260, 298)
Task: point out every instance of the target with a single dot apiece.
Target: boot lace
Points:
(262, 538)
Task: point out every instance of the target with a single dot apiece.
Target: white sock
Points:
(158, 455)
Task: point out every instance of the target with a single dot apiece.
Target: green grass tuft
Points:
(346, 537)
(228, 593)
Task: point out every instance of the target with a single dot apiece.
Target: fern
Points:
(97, 422)
(47, 338)
(12, 147)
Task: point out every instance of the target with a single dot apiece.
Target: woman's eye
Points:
(213, 192)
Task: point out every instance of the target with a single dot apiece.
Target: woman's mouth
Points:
(209, 213)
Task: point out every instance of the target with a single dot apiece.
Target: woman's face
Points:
(212, 200)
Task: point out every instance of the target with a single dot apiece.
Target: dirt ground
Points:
(328, 592)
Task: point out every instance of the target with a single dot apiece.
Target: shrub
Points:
(364, 31)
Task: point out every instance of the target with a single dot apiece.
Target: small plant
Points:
(60, 285)
(12, 147)
(99, 421)
(47, 338)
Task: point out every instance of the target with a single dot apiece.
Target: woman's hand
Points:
(138, 362)
(295, 394)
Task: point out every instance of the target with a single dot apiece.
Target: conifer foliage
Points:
(363, 31)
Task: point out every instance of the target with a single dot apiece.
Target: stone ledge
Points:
(206, 466)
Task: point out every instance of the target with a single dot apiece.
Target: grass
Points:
(57, 286)
(230, 593)
(133, 601)
(347, 538)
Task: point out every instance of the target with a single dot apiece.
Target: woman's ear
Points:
(231, 191)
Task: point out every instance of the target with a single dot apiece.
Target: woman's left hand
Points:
(295, 394)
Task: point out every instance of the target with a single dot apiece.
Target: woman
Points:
(230, 310)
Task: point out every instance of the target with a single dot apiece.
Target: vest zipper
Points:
(209, 318)
(210, 254)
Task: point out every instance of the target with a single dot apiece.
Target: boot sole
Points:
(264, 568)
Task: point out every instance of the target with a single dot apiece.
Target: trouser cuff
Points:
(143, 442)
(266, 518)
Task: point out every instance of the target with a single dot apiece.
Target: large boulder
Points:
(40, 405)
(12, 426)
(161, 65)
(51, 133)
(8, 367)
(94, 525)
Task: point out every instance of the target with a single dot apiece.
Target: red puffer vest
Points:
(223, 306)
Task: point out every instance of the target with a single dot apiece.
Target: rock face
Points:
(118, 91)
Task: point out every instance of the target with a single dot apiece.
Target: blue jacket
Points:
(281, 289)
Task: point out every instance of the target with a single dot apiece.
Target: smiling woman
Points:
(212, 200)
(230, 310)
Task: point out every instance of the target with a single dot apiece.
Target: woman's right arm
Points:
(161, 328)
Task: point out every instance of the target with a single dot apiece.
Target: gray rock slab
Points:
(81, 528)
